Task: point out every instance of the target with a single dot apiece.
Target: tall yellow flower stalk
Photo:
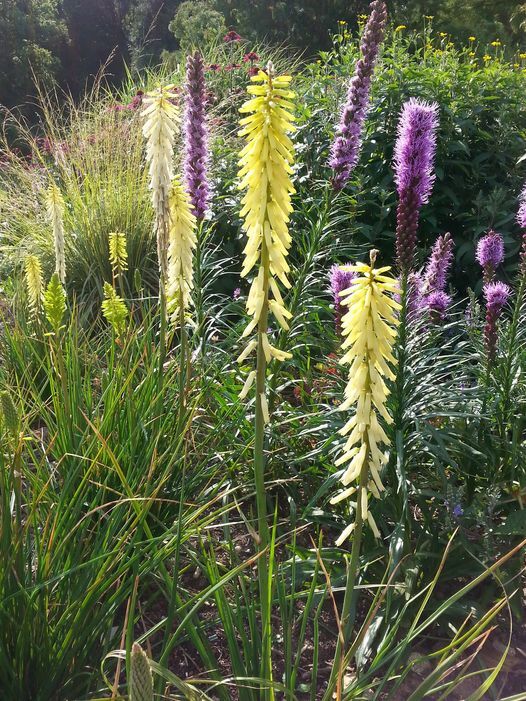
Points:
(55, 210)
(368, 327)
(34, 285)
(182, 243)
(118, 252)
(265, 172)
(160, 128)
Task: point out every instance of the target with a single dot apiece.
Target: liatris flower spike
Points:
(369, 330)
(414, 176)
(183, 241)
(160, 128)
(196, 136)
(439, 264)
(496, 295)
(34, 285)
(55, 210)
(490, 254)
(340, 279)
(437, 303)
(266, 168)
(118, 252)
(346, 147)
(521, 220)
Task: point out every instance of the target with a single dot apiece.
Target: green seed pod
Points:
(9, 412)
(141, 683)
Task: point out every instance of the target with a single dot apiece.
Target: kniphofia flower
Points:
(118, 252)
(34, 285)
(114, 310)
(368, 327)
(160, 129)
(266, 169)
(182, 242)
(55, 210)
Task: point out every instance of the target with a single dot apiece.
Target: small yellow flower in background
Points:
(368, 327)
(523, 56)
(430, 17)
(400, 27)
(472, 38)
(342, 22)
(265, 173)
(471, 53)
(486, 58)
(117, 252)
(114, 310)
(160, 128)
(516, 65)
(34, 285)
(496, 43)
(182, 242)
(55, 211)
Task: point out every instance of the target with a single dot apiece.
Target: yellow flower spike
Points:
(34, 285)
(265, 175)
(55, 210)
(182, 242)
(161, 125)
(118, 253)
(369, 333)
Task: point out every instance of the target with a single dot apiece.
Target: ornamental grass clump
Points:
(265, 173)
(160, 128)
(346, 147)
(196, 155)
(413, 161)
(368, 327)
(182, 242)
(55, 210)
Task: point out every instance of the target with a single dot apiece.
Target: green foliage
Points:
(31, 37)
(197, 24)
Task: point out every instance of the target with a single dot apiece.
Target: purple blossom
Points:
(231, 36)
(490, 254)
(413, 161)
(237, 293)
(496, 295)
(346, 147)
(521, 214)
(196, 136)
(340, 279)
(439, 264)
(437, 302)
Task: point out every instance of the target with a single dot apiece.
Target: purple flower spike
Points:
(439, 264)
(340, 280)
(490, 254)
(521, 214)
(413, 161)
(196, 136)
(437, 303)
(496, 295)
(346, 147)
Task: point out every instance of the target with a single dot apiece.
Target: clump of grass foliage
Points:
(161, 537)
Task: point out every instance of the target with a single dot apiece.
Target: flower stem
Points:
(261, 497)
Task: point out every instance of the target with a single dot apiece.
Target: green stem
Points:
(259, 480)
